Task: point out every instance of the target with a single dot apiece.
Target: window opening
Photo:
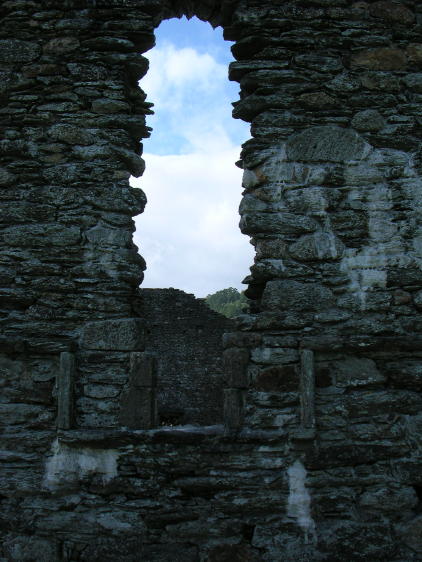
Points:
(189, 233)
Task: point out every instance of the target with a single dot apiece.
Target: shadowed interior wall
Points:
(185, 336)
(319, 457)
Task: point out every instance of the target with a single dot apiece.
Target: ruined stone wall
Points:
(185, 336)
(320, 454)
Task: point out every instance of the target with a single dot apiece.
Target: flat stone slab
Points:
(126, 334)
(326, 144)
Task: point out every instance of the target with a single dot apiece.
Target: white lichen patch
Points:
(299, 501)
(69, 465)
(386, 248)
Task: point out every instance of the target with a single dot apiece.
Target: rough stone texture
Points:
(185, 336)
(332, 179)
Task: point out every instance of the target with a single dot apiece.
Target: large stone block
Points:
(15, 50)
(326, 144)
(284, 294)
(317, 246)
(125, 334)
(276, 223)
(384, 58)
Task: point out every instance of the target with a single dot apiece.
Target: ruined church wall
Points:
(320, 457)
(186, 338)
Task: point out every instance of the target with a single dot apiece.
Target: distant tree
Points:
(229, 302)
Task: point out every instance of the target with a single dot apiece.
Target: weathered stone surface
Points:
(330, 144)
(317, 100)
(384, 58)
(368, 120)
(108, 105)
(412, 533)
(235, 367)
(335, 219)
(414, 52)
(414, 82)
(126, 334)
(61, 45)
(317, 246)
(293, 295)
(17, 51)
(277, 223)
(392, 11)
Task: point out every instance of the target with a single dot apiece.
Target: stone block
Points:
(276, 223)
(414, 52)
(326, 144)
(15, 50)
(411, 533)
(138, 408)
(235, 367)
(61, 46)
(317, 246)
(108, 105)
(368, 120)
(65, 385)
(277, 355)
(317, 100)
(414, 82)
(383, 58)
(392, 11)
(234, 401)
(124, 334)
(283, 294)
(142, 370)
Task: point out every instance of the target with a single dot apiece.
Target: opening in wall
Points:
(189, 233)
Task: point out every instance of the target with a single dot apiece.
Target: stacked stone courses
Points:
(306, 444)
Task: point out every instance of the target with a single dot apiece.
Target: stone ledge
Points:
(188, 434)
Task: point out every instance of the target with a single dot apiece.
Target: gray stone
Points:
(414, 82)
(417, 299)
(326, 144)
(108, 105)
(411, 533)
(274, 355)
(317, 246)
(368, 120)
(65, 389)
(277, 223)
(142, 370)
(102, 236)
(235, 367)
(343, 83)
(17, 51)
(61, 45)
(283, 294)
(126, 334)
(70, 134)
(234, 400)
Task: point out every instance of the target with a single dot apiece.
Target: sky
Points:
(188, 233)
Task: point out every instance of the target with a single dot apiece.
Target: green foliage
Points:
(229, 302)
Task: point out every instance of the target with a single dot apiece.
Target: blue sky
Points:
(189, 231)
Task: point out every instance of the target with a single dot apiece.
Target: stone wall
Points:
(185, 336)
(320, 454)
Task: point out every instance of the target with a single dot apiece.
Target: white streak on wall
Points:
(299, 501)
(70, 464)
(367, 267)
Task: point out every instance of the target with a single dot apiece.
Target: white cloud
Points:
(174, 72)
(189, 231)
